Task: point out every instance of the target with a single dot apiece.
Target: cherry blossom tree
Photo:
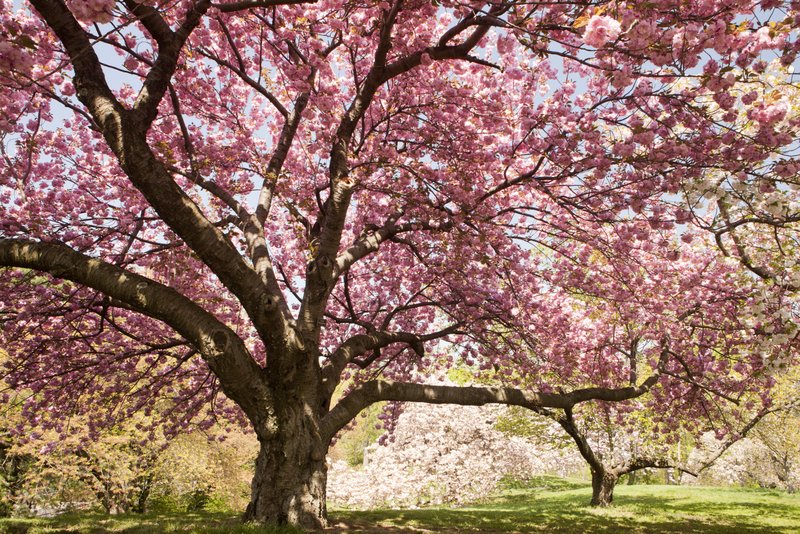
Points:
(709, 374)
(619, 440)
(268, 199)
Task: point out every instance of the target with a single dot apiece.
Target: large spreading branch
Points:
(220, 347)
(386, 390)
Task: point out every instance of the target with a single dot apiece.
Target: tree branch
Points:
(640, 462)
(734, 438)
(220, 347)
(152, 20)
(169, 49)
(241, 6)
(362, 343)
(371, 240)
(90, 82)
(380, 390)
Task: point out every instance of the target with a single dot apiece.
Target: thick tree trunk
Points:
(603, 483)
(290, 476)
(288, 486)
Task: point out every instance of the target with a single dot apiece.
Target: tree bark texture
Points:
(290, 479)
(603, 483)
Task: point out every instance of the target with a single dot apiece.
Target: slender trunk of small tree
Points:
(142, 494)
(603, 478)
(603, 483)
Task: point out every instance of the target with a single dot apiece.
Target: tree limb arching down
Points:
(282, 199)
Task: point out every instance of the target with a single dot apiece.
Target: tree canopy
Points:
(273, 199)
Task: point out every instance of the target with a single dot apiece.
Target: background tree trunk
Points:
(603, 483)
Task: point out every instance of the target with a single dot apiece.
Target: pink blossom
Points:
(93, 10)
(601, 30)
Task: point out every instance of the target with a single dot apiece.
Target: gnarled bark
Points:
(603, 483)
(289, 484)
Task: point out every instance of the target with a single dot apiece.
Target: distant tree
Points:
(13, 467)
(113, 468)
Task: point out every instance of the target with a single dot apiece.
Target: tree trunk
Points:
(288, 486)
(142, 494)
(603, 483)
(290, 477)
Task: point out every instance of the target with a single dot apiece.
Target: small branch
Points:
(152, 20)
(742, 433)
(359, 344)
(242, 6)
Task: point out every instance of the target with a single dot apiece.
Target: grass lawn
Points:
(547, 505)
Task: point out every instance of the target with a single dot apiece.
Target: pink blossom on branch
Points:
(93, 10)
(601, 30)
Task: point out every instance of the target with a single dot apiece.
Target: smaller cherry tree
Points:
(703, 356)
(623, 438)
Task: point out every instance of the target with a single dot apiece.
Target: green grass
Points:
(558, 506)
(545, 505)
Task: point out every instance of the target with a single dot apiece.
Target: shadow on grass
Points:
(542, 505)
(720, 504)
(688, 511)
(513, 521)
(201, 523)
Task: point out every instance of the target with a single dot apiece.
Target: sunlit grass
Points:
(559, 506)
(544, 505)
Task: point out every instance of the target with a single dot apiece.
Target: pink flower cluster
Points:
(601, 30)
(92, 10)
